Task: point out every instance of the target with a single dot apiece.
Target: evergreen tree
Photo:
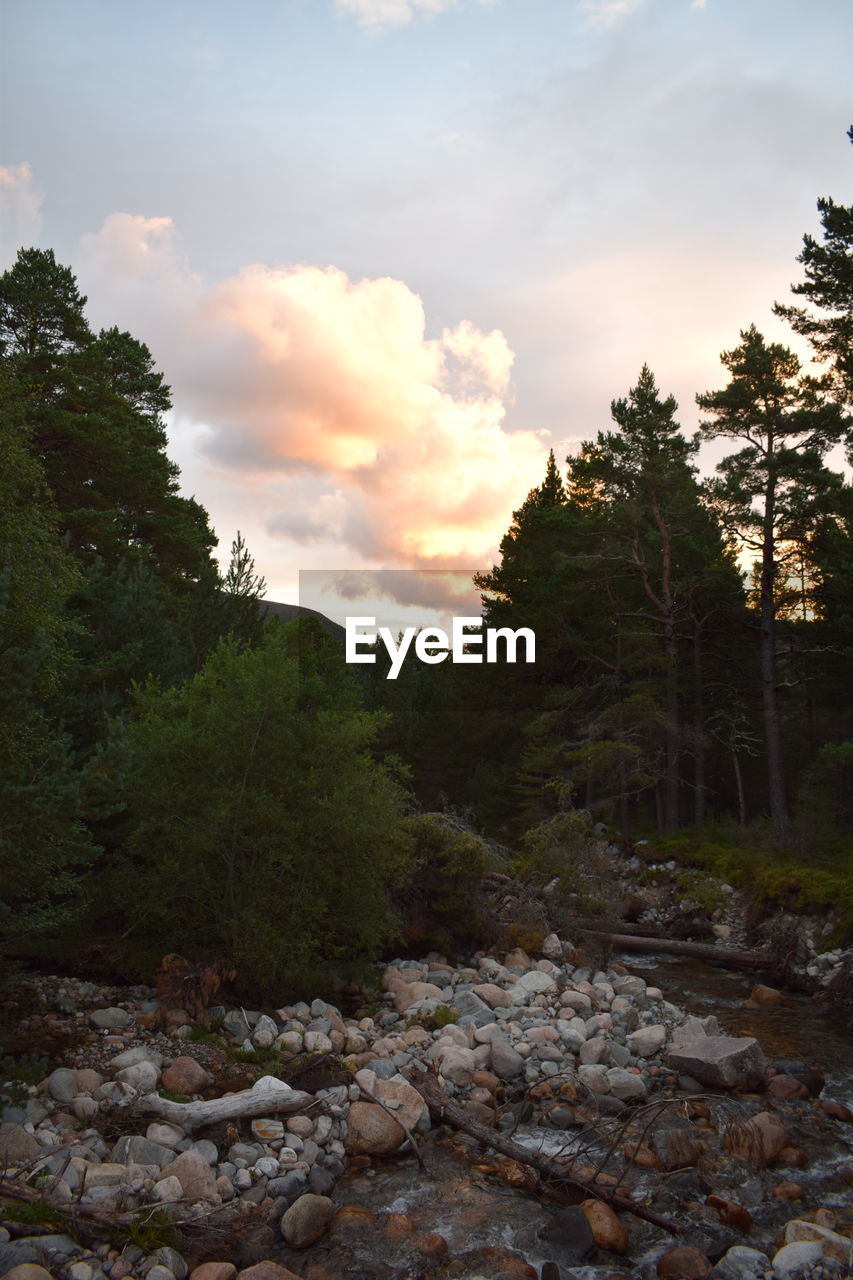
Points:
(261, 826)
(671, 568)
(773, 492)
(828, 287)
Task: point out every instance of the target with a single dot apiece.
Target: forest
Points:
(180, 772)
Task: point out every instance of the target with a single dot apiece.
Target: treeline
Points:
(694, 639)
(179, 774)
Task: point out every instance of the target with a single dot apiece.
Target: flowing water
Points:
(395, 1212)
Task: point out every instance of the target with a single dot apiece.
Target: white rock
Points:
(167, 1189)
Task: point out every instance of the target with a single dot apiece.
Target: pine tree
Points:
(772, 492)
(828, 286)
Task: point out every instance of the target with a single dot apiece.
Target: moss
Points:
(774, 877)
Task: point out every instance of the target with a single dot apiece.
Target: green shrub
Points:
(439, 900)
(261, 827)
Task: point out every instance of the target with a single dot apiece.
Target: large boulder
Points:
(726, 1062)
(306, 1220)
(372, 1131)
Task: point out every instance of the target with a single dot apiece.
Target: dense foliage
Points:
(177, 774)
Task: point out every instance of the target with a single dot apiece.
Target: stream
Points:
(393, 1218)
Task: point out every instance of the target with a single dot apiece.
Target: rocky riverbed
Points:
(105, 1177)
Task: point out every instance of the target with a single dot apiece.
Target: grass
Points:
(34, 1213)
(152, 1229)
(775, 877)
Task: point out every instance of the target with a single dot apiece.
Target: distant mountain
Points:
(290, 611)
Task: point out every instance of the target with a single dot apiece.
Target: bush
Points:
(439, 902)
(262, 829)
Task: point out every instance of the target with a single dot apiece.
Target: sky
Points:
(387, 253)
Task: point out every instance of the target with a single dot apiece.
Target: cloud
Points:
(385, 440)
(601, 15)
(20, 210)
(378, 14)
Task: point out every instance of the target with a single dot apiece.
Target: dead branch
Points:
(248, 1102)
(554, 1169)
(724, 956)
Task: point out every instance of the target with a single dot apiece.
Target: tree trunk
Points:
(773, 740)
(267, 1101)
(645, 945)
(699, 785)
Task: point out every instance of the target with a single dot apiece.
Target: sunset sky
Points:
(388, 252)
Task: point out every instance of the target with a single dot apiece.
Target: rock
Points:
(62, 1084)
(741, 1263)
(676, 1145)
(518, 959)
(835, 1246)
(593, 1052)
(595, 1079)
(130, 1057)
(731, 1213)
(763, 995)
(684, 1262)
(371, 1130)
(136, 1150)
(759, 1140)
(494, 997)
(159, 1272)
(27, 1271)
(535, 982)
(794, 1259)
(408, 994)
(142, 1076)
(267, 1130)
(167, 1189)
(646, 1041)
(552, 947)
(88, 1080)
(458, 1066)
(214, 1271)
(264, 1033)
(787, 1087)
(266, 1271)
(813, 1080)
(469, 1005)
(836, 1110)
(307, 1220)
(719, 1061)
(787, 1191)
(16, 1145)
(505, 1061)
(194, 1174)
(111, 1019)
(163, 1134)
(625, 1084)
(570, 1229)
(167, 1257)
(608, 1228)
(186, 1076)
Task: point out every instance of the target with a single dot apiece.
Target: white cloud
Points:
(601, 15)
(327, 391)
(377, 14)
(20, 211)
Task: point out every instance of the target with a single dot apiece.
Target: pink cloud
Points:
(298, 369)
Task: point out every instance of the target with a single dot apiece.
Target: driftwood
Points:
(265, 1101)
(643, 944)
(552, 1168)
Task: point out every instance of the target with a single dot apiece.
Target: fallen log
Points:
(643, 944)
(266, 1097)
(556, 1170)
